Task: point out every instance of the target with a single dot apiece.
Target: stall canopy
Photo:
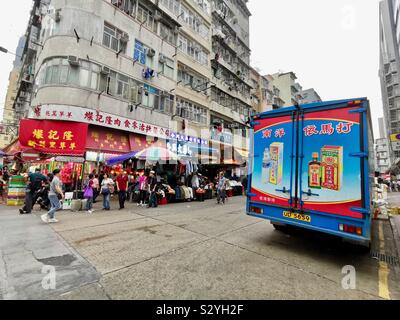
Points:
(121, 158)
(156, 153)
(53, 137)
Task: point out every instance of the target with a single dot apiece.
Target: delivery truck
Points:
(312, 166)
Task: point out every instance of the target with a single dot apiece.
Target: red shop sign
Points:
(54, 137)
(107, 140)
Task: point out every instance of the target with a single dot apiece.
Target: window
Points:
(166, 67)
(172, 5)
(139, 52)
(193, 49)
(194, 21)
(111, 38)
(145, 16)
(191, 111)
(88, 75)
(167, 33)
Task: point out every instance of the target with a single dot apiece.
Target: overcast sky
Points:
(332, 45)
(13, 24)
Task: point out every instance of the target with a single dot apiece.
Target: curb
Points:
(396, 234)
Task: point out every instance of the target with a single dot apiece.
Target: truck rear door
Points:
(331, 161)
(273, 165)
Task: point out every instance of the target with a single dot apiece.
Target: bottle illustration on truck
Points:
(276, 171)
(266, 166)
(314, 172)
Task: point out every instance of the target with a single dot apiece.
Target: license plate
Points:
(297, 216)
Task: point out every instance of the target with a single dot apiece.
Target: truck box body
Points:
(312, 165)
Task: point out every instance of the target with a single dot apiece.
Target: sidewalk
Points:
(394, 202)
(29, 250)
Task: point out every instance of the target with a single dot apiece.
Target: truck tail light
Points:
(354, 103)
(256, 210)
(350, 229)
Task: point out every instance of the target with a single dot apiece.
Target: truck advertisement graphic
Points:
(310, 166)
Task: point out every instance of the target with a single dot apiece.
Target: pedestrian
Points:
(195, 183)
(34, 184)
(122, 188)
(55, 195)
(143, 187)
(221, 188)
(89, 194)
(152, 184)
(96, 187)
(153, 202)
(244, 184)
(107, 188)
(2, 188)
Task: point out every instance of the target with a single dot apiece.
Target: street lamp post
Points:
(4, 50)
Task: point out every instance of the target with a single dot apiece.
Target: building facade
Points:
(285, 91)
(140, 66)
(310, 96)
(9, 124)
(382, 155)
(289, 89)
(389, 26)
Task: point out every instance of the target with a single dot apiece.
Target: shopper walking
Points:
(152, 184)
(107, 188)
(143, 188)
(96, 187)
(221, 188)
(122, 188)
(55, 195)
(2, 188)
(89, 194)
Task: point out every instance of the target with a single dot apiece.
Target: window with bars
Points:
(166, 67)
(112, 38)
(146, 16)
(191, 111)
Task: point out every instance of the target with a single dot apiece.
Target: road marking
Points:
(383, 273)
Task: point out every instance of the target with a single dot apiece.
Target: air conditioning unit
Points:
(57, 17)
(105, 70)
(124, 38)
(162, 58)
(157, 16)
(164, 93)
(151, 53)
(73, 61)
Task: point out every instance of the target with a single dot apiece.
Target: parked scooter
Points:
(42, 197)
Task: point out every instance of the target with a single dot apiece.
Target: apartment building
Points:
(389, 29)
(143, 67)
(289, 92)
(231, 86)
(309, 96)
(382, 163)
(9, 124)
(289, 89)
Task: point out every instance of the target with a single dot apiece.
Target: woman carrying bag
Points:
(107, 188)
(89, 194)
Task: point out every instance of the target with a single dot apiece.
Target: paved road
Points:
(205, 251)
